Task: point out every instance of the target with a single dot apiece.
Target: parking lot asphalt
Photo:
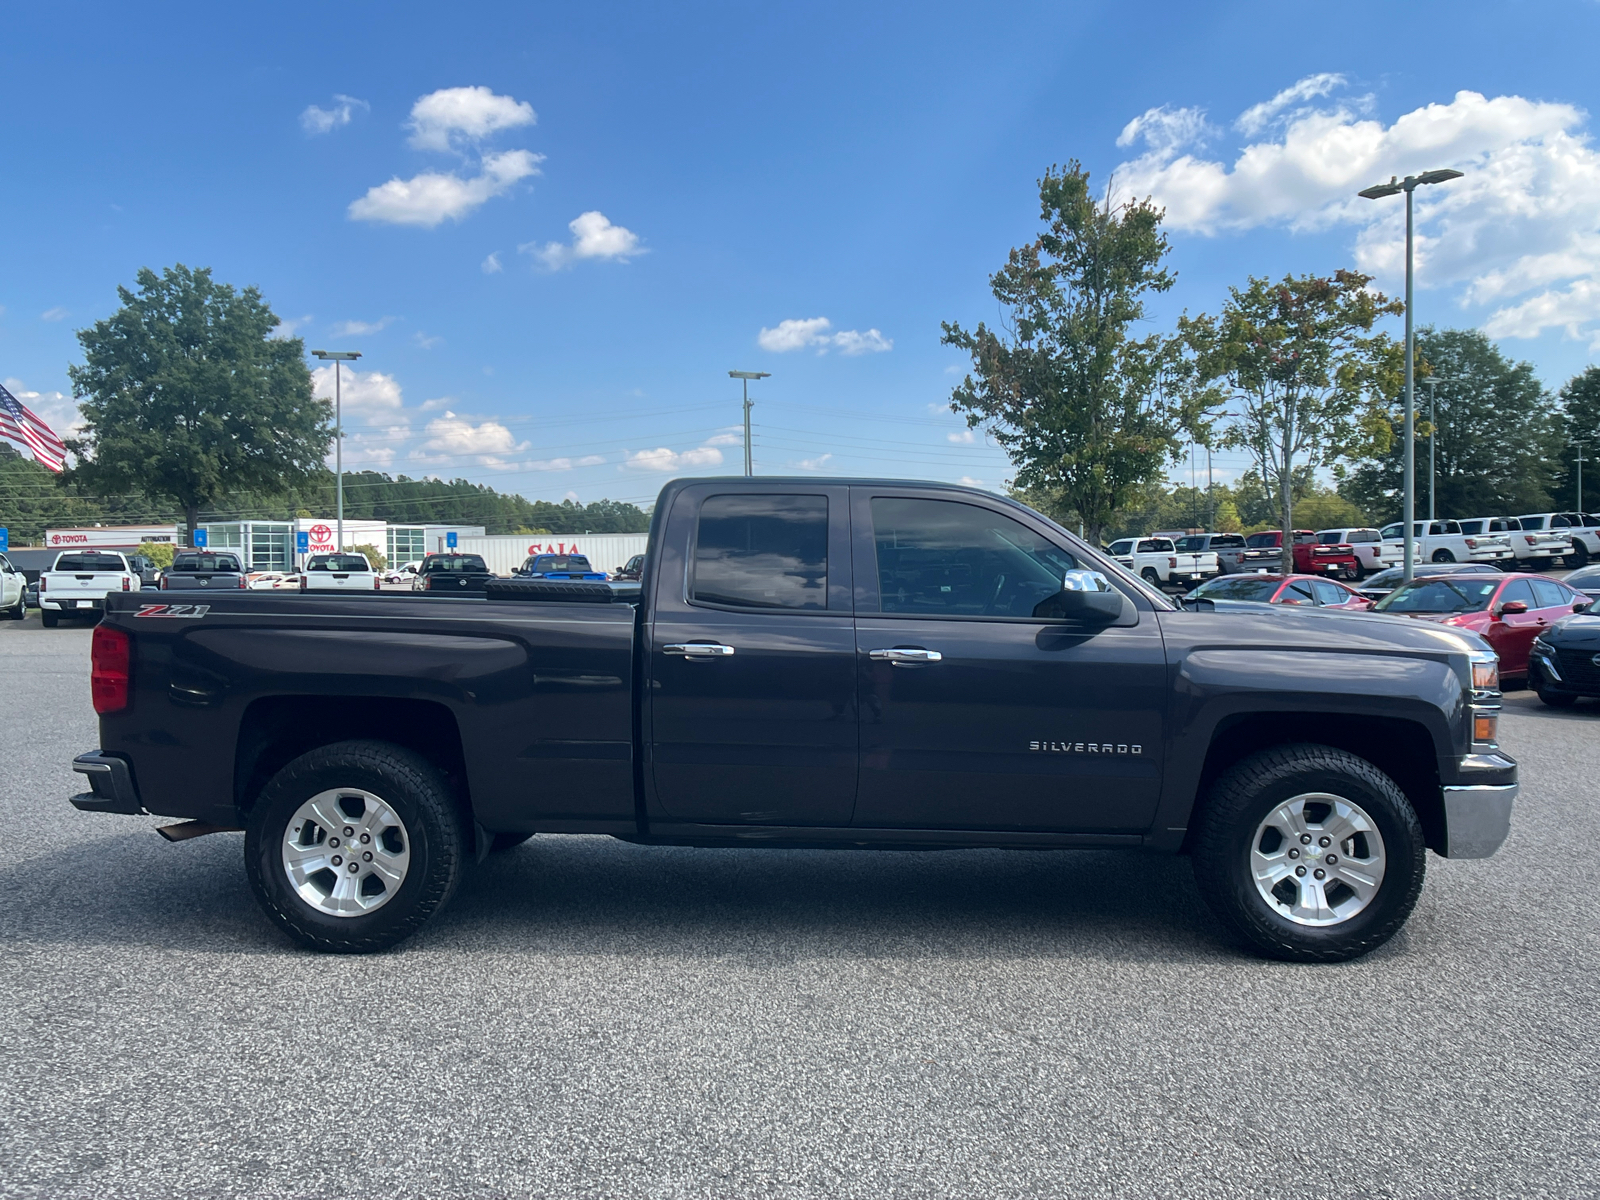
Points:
(595, 1019)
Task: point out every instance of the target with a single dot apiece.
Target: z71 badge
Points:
(173, 610)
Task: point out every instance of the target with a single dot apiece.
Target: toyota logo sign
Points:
(321, 533)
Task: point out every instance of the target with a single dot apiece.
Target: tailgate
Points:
(70, 585)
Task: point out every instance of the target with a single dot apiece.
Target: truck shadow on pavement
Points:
(566, 895)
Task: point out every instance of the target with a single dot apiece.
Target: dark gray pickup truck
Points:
(824, 663)
(203, 570)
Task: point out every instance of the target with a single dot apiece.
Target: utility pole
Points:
(747, 376)
(337, 357)
(1395, 186)
(1433, 381)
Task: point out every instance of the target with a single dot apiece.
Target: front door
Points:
(752, 688)
(975, 714)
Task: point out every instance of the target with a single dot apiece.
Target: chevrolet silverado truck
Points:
(852, 664)
(203, 570)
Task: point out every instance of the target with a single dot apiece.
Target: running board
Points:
(193, 829)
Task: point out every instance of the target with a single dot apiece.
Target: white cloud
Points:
(426, 342)
(662, 459)
(814, 464)
(964, 438)
(361, 328)
(433, 197)
(564, 464)
(371, 395)
(325, 120)
(1258, 116)
(288, 326)
(491, 265)
(443, 120)
(1164, 129)
(802, 333)
(593, 236)
(1519, 235)
(728, 437)
(439, 402)
(969, 481)
(453, 435)
(53, 314)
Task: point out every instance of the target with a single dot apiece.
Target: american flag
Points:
(18, 423)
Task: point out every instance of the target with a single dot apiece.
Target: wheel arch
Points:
(277, 729)
(1402, 749)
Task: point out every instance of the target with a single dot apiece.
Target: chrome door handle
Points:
(905, 658)
(698, 650)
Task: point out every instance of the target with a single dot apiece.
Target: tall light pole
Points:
(1377, 192)
(337, 357)
(1433, 381)
(1580, 461)
(747, 376)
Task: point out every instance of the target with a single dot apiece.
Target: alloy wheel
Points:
(1317, 859)
(346, 852)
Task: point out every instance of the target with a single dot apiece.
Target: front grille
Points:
(1577, 668)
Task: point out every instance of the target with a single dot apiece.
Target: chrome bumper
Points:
(1477, 818)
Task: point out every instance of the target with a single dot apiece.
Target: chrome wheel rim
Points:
(346, 852)
(1317, 859)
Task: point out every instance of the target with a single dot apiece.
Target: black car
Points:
(1565, 660)
(632, 570)
(453, 574)
(1380, 585)
(1586, 581)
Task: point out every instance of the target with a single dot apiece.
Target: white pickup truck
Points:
(79, 582)
(1158, 561)
(1444, 542)
(1534, 549)
(1582, 528)
(338, 573)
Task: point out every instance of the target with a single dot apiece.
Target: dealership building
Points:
(270, 545)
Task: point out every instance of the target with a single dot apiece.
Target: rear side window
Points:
(1298, 592)
(1531, 522)
(1329, 593)
(1550, 594)
(762, 552)
(946, 558)
(1472, 527)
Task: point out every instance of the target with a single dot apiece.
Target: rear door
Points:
(974, 713)
(751, 688)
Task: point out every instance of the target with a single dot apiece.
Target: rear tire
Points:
(1257, 880)
(1555, 699)
(1579, 556)
(1443, 556)
(49, 618)
(414, 822)
(19, 612)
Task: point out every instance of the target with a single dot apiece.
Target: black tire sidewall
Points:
(433, 830)
(1244, 797)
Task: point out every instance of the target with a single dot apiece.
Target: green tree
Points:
(1301, 365)
(1070, 395)
(185, 395)
(1580, 403)
(372, 554)
(1497, 443)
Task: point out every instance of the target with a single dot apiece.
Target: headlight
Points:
(1485, 672)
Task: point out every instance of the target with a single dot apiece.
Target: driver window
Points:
(1298, 592)
(945, 558)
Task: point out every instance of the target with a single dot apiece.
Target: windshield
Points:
(338, 562)
(1456, 595)
(1589, 577)
(90, 562)
(462, 563)
(1257, 588)
(205, 562)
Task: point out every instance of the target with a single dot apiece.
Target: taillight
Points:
(1472, 543)
(127, 584)
(108, 671)
(1527, 539)
(1172, 562)
(42, 582)
(163, 583)
(375, 586)
(241, 583)
(302, 583)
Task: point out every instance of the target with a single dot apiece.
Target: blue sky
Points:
(552, 230)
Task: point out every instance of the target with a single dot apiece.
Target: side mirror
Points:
(1512, 608)
(1085, 596)
(1582, 605)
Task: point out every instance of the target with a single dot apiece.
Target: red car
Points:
(1307, 590)
(1508, 611)
(1310, 556)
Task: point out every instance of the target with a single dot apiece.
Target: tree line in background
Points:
(1289, 371)
(193, 412)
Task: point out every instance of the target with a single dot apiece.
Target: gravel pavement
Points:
(594, 1019)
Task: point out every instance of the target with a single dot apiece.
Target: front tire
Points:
(19, 612)
(1309, 854)
(1149, 576)
(1443, 556)
(351, 847)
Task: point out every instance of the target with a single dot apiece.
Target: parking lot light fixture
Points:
(1433, 381)
(1378, 191)
(747, 376)
(336, 357)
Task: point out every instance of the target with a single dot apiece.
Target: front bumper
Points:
(1477, 807)
(111, 787)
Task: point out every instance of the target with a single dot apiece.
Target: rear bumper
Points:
(59, 603)
(1489, 555)
(111, 788)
